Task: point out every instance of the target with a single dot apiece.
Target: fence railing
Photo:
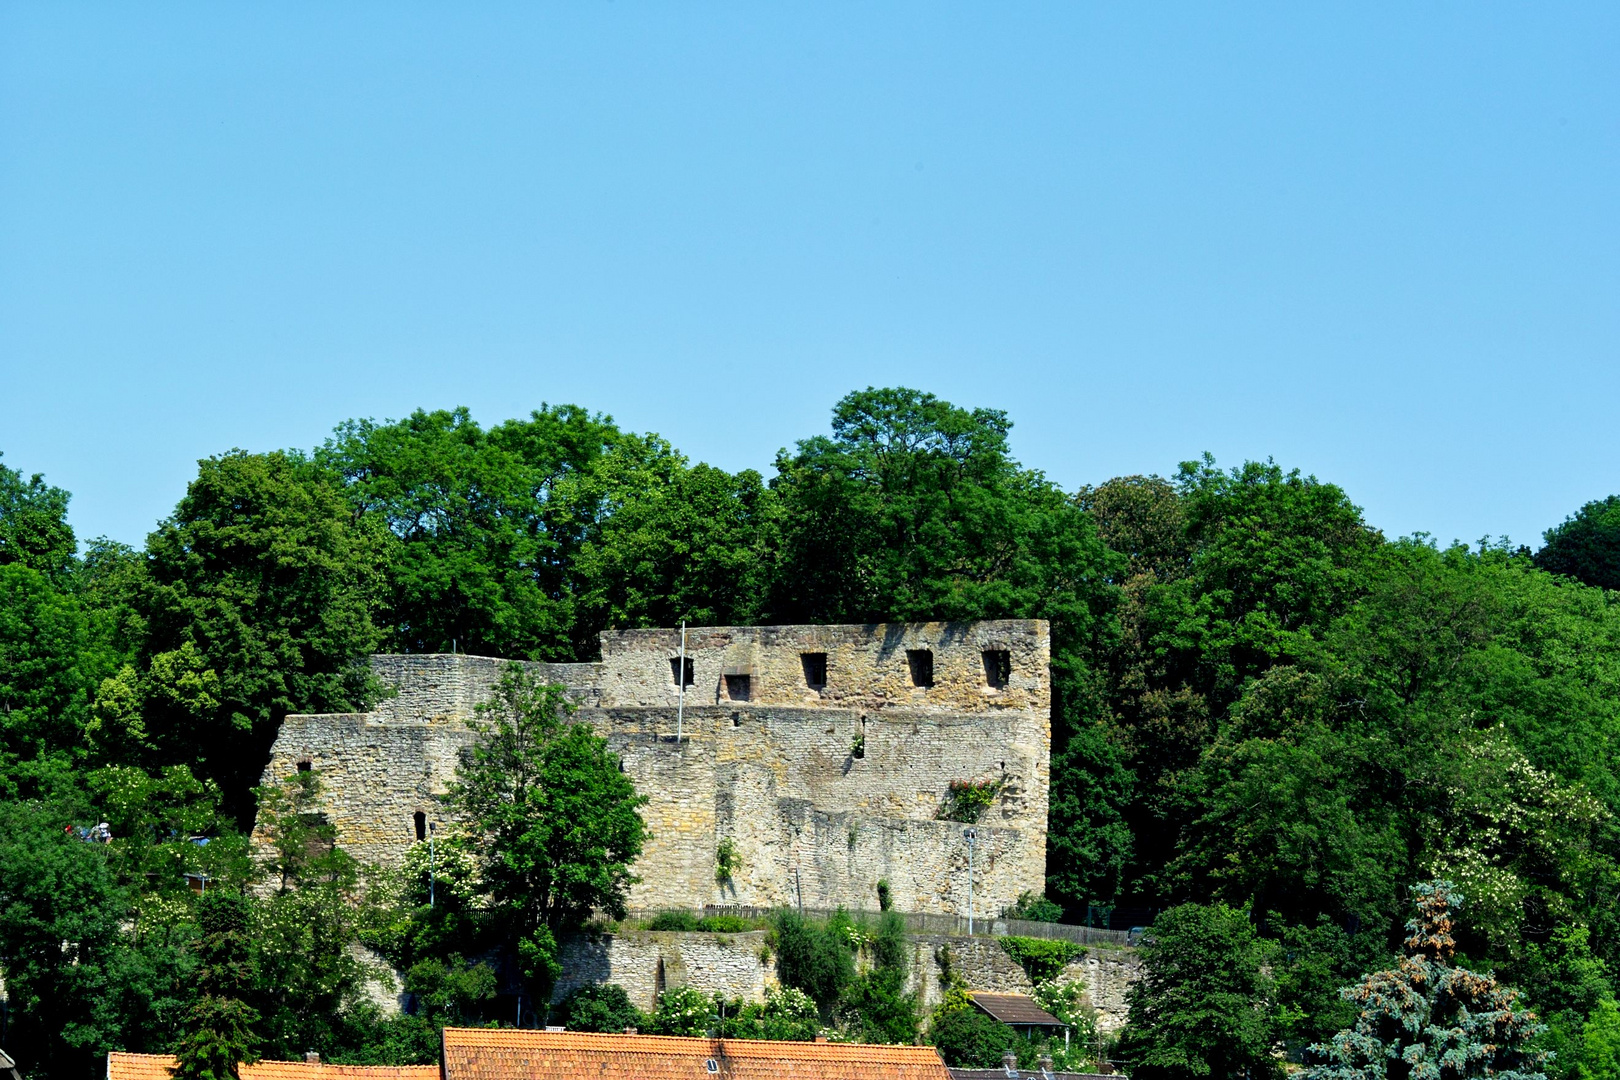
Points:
(923, 922)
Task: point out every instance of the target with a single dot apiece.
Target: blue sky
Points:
(1377, 242)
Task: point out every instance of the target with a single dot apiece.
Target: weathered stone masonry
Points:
(824, 753)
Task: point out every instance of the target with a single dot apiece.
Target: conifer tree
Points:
(218, 1034)
(1428, 1019)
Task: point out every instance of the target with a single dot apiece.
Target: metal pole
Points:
(680, 682)
(970, 835)
(433, 868)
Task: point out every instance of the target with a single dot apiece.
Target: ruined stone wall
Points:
(646, 963)
(824, 791)
(867, 667)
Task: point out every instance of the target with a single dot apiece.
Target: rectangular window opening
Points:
(997, 668)
(737, 687)
(815, 669)
(675, 670)
(921, 662)
(419, 819)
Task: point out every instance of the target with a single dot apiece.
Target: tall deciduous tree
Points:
(1203, 1007)
(33, 525)
(1586, 546)
(258, 599)
(558, 821)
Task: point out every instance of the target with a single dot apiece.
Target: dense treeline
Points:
(1262, 704)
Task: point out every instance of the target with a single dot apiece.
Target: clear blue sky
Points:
(1379, 243)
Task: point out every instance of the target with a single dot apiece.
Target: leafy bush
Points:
(787, 1014)
(877, 1006)
(811, 958)
(967, 800)
(726, 860)
(604, 1008)
(968, 1039)
(682, 1010)
(1042, 959)
(1032, 908)
(726, 924)
(674, 920)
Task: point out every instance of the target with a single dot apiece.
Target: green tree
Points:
(1586, 546)
(879, 1008)
(1428, 1018)
(219, 1030)
(67, 965)
(33, 525)
(257, 600)
(965, 1036)
(810, 958)
(1600, 1044)
(487, 530)
(557, 821)
(604, 1008)
(1204, 1005)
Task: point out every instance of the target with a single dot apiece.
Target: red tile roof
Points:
(509, 1054)
(1015, 1009)
(126, 1066)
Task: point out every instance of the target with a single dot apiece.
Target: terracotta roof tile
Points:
(1015, 1009)
(509, 1054)
(126, 1066)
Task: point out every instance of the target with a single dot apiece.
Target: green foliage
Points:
(726, 860)
(219, 1031)
(257, 601)
(1586, 546)
(1436, 1019)
(73, 979)
(1032, 908)
(598, 1008)
(885, 895)
(876, 1005)
(1600, 1044)
(451, 991)
(786, 1014)
(811, 958)
(1203, 1005)
(966, 1037)
(967, 800)
(1042, 959)
(683, 921)
(34, 532)
(727, 924)
(682, 1010)
(558, 822)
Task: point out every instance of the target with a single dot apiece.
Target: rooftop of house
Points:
(508, 1054)
(1018, 1010)
(126, 1066)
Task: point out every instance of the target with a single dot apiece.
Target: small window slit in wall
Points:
(304, 766)
(674, 670)
(921, 662)
(419, 819)
(815, 669)
(997, 668)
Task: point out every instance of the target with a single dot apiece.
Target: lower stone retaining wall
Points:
(646, 962)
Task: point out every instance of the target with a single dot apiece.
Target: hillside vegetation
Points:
(1262, 706)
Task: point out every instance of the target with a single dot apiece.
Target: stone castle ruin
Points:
(830, 758)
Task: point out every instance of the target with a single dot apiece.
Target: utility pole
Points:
(680, 683)
(970, 834)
